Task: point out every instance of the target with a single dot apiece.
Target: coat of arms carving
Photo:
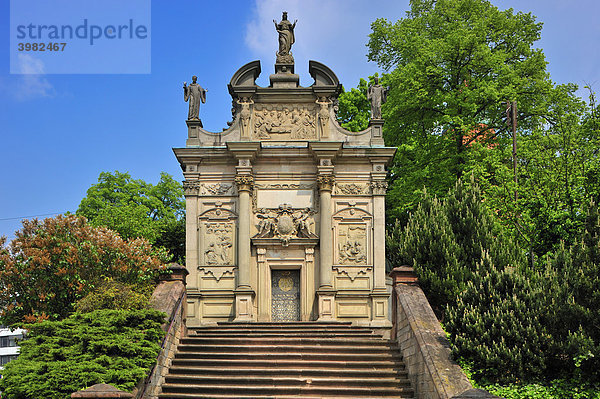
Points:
(285, 223)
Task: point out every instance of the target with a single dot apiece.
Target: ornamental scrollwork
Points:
(352, 189)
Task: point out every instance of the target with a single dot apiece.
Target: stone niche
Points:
(285, 208)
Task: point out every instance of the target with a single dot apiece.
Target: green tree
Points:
(354, 110)
(557, 164)
(452, 65)
(53, 263)
(134, 208)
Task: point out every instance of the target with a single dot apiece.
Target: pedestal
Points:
(326, 305)
(244, 305)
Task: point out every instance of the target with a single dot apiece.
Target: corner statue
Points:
(286, 34)
(377, 94)
(194, 93)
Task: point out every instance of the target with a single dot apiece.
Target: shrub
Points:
(111, 294)
(53, 263)
(105, 346)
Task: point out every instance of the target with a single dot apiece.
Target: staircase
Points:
(286, 360)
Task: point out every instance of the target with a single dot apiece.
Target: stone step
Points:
(308, 390)
(269, 356)
(226, 381)
(362, 373)
(289, 341)
(282, 323)
(286, 360)
(250, 348)
(402, 395)
(299, 334)
(287, 363)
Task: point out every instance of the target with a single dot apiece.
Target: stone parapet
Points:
(424, 346)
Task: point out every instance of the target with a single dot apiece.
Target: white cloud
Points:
(32, 83)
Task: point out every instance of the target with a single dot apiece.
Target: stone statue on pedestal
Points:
(286, 35)
(377, 95)
(194, 93)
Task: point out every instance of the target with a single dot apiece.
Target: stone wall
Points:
(424, 346)
(169, 297)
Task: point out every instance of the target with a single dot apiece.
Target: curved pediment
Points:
(322, 74)
(246, 75)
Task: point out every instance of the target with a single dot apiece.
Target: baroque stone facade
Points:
(285, 205)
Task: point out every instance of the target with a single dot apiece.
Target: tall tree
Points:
(53, 263)
(452, 65)
(135, 208)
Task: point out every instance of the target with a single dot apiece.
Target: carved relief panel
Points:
(353, 242)
(284, 122)
(217, 249)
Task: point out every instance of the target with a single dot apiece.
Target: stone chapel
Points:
(285, 209)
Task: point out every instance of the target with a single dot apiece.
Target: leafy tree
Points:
(557, 160)
(105, 346)
(354, 110)
(452, 65)
(134, 208)
(52, 263)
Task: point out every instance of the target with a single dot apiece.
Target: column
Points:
(244, 294)
(244, 152)
(325, 237)
(244, 185)
(326, 293)
(379, 296)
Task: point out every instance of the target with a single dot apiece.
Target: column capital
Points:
(379, 187)
(244, 182)
(191, 187)
(325, 182)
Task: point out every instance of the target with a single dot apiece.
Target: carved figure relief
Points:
(285, 223)
(352, 189)
(219, 243)
(244, 105)
(323, 115)
(284, 122)
(352, 245)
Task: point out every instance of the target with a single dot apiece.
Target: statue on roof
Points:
(377, 95)
(286, 34)
(194, 93)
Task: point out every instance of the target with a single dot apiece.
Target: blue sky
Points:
(58, 132)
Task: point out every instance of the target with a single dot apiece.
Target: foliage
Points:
(473, 275)
(444, 241)
(354, 110)
(495, 324)
(453, 64)
(134, 208)
(556, 389)
(557, 160)
(571, 281)
(52, 263)
(111, 294)
(105, 346)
